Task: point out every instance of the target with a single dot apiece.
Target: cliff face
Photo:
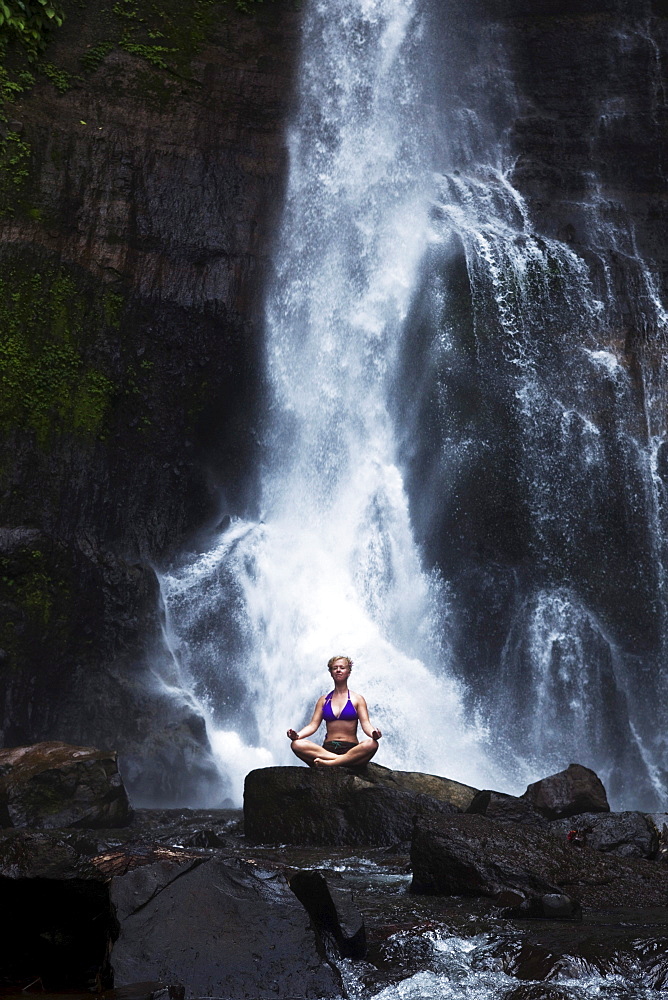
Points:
(142, 174)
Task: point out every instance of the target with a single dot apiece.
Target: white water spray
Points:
(333, 566)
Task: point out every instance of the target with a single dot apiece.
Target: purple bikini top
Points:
(348, 712)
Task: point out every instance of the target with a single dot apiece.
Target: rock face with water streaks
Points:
(551, 548)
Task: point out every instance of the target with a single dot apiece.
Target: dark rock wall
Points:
(133, 250)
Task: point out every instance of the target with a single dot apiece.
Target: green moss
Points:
(246, 6)
(47, 383)
(14, 171)
(96, 55)
(154, 54)
(112, 308)
(35, 599)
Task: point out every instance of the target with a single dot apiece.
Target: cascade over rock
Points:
(409, 396)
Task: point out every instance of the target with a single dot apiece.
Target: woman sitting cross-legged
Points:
(342, 710)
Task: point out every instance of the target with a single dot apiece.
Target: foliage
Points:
(29, 21)
(47, 384)
(61, 80)
(94, 56)
(152, 53)
(35, 598)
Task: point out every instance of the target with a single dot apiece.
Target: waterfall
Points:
(459, 459)
(333, 566)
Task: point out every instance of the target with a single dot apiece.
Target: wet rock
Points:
(549, 906)
(332, 909)
(220, 929)
(506, 808)
(31, 854)
(436, 787)
(299, 805)
(58, 785)
(474, 856)
(626, 834)
(575, 790)
(659, 823)
(205, 838)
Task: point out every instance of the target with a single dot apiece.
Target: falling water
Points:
(457, 457)
(333, 567)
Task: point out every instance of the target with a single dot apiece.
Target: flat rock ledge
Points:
(371, 806)
(56, 785)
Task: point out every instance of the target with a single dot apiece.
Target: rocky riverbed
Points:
(185, 903)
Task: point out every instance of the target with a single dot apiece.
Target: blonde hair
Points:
(333, 660)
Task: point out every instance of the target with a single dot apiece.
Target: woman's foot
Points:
(325, 762)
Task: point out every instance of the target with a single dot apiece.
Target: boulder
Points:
(506, 808)
(472, 855)
(626, 834)
(58, 785)
(301, 805)
(224, 929)
(332, 910)
(441, 789)
(576, 790)
(472, 858)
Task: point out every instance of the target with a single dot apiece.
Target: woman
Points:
(342, 710)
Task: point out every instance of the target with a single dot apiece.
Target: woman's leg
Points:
(308, 751)
(355, 757)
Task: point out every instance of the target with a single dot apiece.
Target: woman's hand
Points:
(376, 734)
(292, 735)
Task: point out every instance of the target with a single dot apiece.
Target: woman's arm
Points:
(314, 724)
(363, 716)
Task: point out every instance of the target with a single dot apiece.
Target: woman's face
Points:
(340, 669)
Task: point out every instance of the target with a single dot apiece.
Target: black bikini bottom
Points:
(338, 746)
